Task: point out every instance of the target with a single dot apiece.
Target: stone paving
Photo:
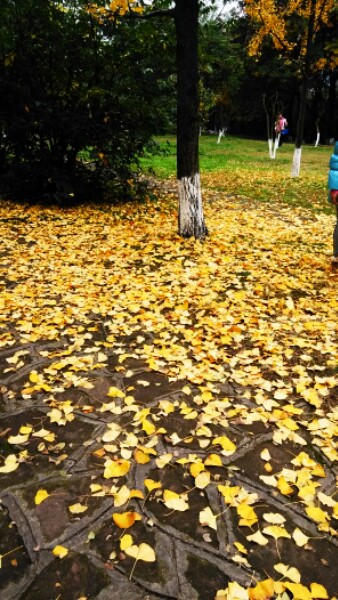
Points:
(193, 561)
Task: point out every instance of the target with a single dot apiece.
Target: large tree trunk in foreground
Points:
(190, 208)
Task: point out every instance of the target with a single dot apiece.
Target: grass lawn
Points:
(243, 167)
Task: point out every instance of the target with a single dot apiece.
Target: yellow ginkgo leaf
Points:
(45, 434)
(264, 590)
(229, 493)
(25, 429)
(116, 468)
(18, 439)
(299, 591)
(206, 517)
(318, 471)
(265, 455)
(34, 377)
(126, 519)
(114, 392)
(148, 427)
(206, 396)
(240, 548)
(276, 532)
(163, 460)
(126, 541)
(227, 445)
(258, 538)
(142, 552)
(326, 500)
(300, 538)
(318, 591)
(234, 591)
(284, 487)
(77, 508)
(269, 480)
(175, 501)
(141, 457)
(111, 434)
(137, 494)
(60, 551)
(213, 460)
(151, 485)
(288, 572)
(202, 480)
(40, 496)
(11, 464)
(274, 518)
(196, 468)
(247, 514)
(317, 514)
(121, 496)
(95, 488)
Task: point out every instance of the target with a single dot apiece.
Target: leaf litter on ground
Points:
(253, 306)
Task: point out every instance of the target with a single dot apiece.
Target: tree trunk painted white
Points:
(270, 144)
(190, 214)
(318, 138)
(190, 209)
(220, 134)
(295, 169)
(277, 141)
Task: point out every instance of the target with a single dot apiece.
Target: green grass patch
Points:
(243, 167)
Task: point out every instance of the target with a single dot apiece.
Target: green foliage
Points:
(66, 86)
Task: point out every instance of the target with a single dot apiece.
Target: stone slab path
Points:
(193, 561)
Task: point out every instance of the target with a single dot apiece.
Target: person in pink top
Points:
(281, 127)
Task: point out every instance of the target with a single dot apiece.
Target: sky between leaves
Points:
(255, 306)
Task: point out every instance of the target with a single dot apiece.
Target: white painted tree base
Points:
(295, 169)
(190, 210)
(221, 133)
(273, 145)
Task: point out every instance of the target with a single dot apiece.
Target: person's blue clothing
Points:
(333, 172)
(332, 184)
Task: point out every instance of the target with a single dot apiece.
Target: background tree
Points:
(185, 15)
(222, 68)
(60, 97)
(292, 29)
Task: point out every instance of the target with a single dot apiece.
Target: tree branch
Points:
(170, 12)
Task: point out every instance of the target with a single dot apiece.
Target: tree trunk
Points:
(190, 209)
(297, 154)
(303, 92)
(331, 127)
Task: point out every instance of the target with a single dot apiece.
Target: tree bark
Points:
(295, 169)
(190, 209)
(332, 129)
(303, 92)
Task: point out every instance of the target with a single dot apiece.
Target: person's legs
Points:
(335, 238)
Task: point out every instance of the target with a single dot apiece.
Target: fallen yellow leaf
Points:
(206, 517)
(142, 552)
(175, 501)
(116, 468)
(126, 519)
(77, 509)
(40, 496)
(60, 551)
